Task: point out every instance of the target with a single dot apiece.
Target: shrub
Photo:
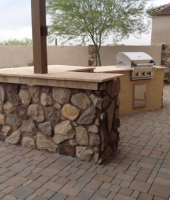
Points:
(167, 77)
(31, 63)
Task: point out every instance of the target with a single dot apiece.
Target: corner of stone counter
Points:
(77, 122)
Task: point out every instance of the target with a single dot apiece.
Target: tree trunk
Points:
(98, 57)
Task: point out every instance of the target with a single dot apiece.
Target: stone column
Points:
(165, 61)
(92, 56)
(165, 57)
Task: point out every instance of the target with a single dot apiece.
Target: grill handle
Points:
(145, 64)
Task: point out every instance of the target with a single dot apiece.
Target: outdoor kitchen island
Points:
(73, 113)
(153, 94)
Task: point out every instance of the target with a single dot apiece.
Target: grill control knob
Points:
(150, 73)
(137, 74)
(144, 73)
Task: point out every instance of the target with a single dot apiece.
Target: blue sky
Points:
(15, 22)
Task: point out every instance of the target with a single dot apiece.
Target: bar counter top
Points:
(58, 75)
(107, 69)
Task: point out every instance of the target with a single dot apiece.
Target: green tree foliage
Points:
(30, 63)
(94, 20)
(25, 41)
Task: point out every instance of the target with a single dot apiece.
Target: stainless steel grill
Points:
(142, 64)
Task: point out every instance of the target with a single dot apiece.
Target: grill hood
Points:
(133, 59)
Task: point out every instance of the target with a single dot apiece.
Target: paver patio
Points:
(139, 170)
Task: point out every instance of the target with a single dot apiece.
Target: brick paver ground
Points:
(139, 170)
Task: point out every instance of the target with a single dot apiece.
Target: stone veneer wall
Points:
(75, 122)
(165, 57)
(92, 56)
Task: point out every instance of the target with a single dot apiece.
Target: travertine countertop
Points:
(58, 76)
(115, 69)
(60, 72)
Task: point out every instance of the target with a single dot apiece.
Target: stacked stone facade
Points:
(76, 122)
(165, 57)
(92, 56)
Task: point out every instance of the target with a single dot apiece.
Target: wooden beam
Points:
(39, 33)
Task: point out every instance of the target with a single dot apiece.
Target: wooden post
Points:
(39, 33)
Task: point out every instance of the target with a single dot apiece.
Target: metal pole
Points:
(39, 33)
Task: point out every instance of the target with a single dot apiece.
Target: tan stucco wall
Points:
(70, 55)
(153, 96)
(160, 30)
(21, 55)
(15, 55)
(108, 53)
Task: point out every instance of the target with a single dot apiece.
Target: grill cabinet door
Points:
(139, 99)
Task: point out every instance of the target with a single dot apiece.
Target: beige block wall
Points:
(153, 96)
(108, 53)
(21, 55)
(160, 30)
(70, 55)
(15, 55)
